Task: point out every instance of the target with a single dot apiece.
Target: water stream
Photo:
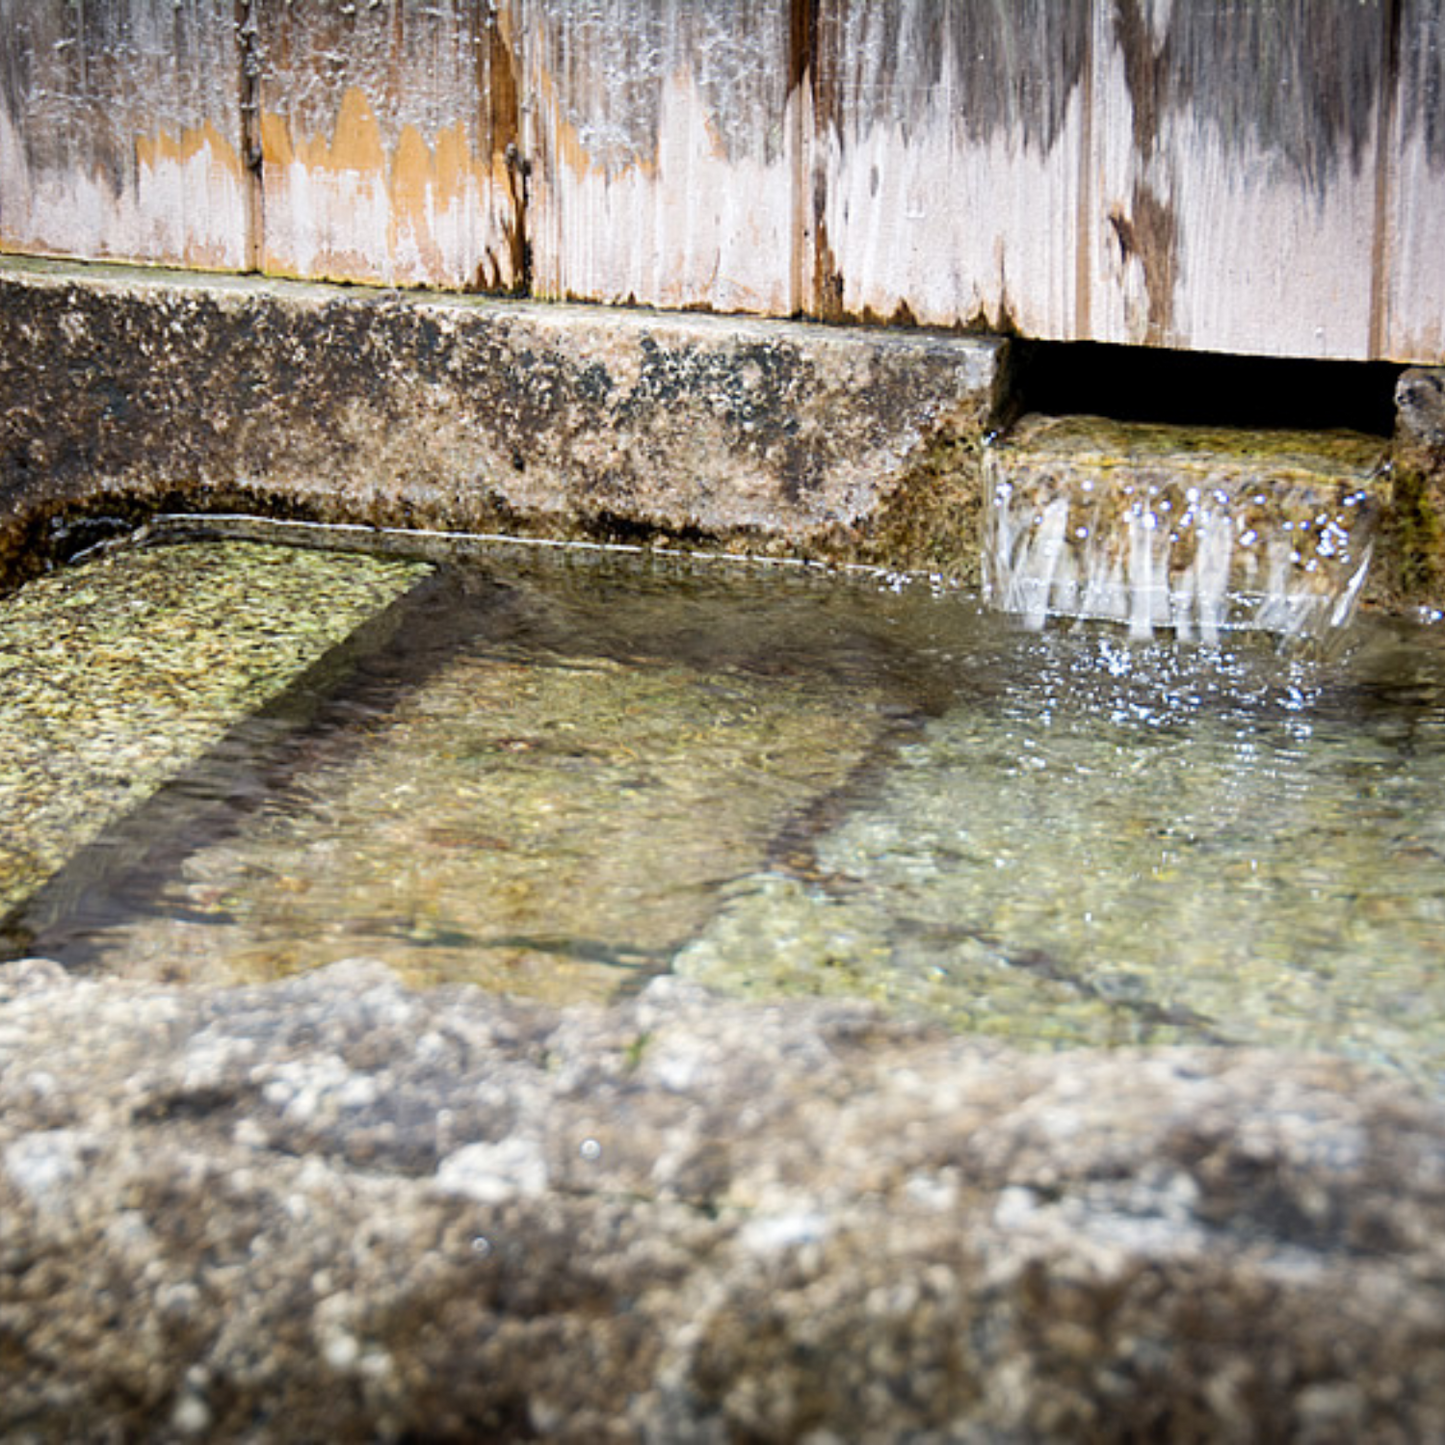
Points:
(1194, 530)
(560, 776)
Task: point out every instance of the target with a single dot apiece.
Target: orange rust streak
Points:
(420, 182)
(276, 147)
(413, 183)
(151, 150)
(356, 145)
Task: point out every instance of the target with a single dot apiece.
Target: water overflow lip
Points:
(1198, 531)
(562, 780)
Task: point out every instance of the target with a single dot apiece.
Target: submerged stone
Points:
(545, 826)
(1195, 530)
(117, 674)
(1110, 843)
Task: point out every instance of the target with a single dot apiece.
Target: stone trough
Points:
(336, 1207)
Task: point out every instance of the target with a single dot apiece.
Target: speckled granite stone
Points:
(124, 388)
(332, 1208)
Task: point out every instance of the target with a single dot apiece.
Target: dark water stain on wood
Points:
(1009, 69)
(1301, 80)
(1422, 75)
(1145, 75)
(609, 69)
(1149, 234)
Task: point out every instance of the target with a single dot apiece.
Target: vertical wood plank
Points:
(120, 131)
(664, 149)
(388, 135)
(1414, 255)
(1235, 149)
(947, 151)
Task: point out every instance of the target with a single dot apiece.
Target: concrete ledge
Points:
(143, 388)
(330, 1208)
(1416, 534)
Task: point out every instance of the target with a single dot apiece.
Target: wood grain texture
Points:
(1413, 261)
(120, 132)
(389, 139)
(664, 149)
(946, 161)
(1259, 176)
(1235, 150)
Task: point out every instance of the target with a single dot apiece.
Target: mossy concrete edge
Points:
(1415, 532)
(124, 390)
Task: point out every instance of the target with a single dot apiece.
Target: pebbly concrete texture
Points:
(331, 1208)
(1417, 528)
(124, 390)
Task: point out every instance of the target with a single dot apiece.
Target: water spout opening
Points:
(1190, 388)
(1185, 493)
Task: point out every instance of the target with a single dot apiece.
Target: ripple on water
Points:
(817, 786)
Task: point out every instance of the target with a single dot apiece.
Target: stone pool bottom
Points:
(336, 1205)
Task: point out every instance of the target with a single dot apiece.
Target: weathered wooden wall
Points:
(1266, 176)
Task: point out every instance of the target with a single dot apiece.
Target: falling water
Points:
(1198, 531)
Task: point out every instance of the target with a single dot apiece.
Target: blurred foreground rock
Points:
(330, 1208)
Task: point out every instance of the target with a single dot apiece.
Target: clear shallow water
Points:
(558, 780)
(115, 674)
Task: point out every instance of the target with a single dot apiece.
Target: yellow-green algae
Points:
(1323, 456)
(538, 825)
(116, 674)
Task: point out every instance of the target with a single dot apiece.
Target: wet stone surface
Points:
(332, 1208)
(364, 406)
(116, 674)
(556, 829)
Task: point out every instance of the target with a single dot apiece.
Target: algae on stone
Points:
(547, 826)
(116, 674)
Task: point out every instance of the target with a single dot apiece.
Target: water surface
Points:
(558, 780)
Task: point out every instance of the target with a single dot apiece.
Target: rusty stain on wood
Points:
(377, 161)
(511, 170)
(250, 66)
(1380, 251)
